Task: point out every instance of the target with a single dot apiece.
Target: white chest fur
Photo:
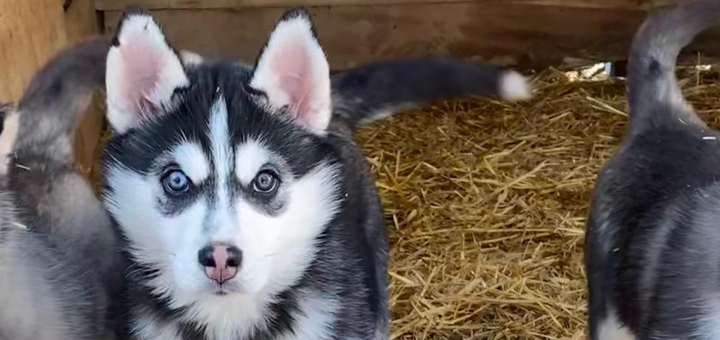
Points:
(313, 321)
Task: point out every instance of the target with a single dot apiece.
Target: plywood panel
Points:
(81, 21)
(31, 31)
(515, 35)
(118, 5)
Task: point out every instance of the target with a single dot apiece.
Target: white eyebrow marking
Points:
(219, 138)
(249, 158)
(192, 161)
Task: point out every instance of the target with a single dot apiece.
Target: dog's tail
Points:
(56, 100)
(50, 194)
(654, 96)
(380, 89)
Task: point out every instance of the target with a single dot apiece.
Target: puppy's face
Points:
(219, 176)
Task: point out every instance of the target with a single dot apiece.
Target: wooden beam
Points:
(515, 35)
(119, 5)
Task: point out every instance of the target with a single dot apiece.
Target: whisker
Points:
(152, 251)
(18, 225)
(273, 254)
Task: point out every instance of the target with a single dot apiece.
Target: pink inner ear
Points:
(141, 67)
(292, 65)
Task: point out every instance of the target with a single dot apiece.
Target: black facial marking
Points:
(655, 69)
(192, 331)
(173, 204)
(142, 149)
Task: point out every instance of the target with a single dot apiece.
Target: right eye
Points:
(176, 182)
(265, 182)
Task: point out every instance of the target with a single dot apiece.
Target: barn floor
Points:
(486, 204)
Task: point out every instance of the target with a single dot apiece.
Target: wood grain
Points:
(118, 5)
(515, 35)
(81, 20)
(31, 32)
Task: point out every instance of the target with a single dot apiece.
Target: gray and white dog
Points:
(243, 205)
(653, 238)
(247, 208)
(58, 264)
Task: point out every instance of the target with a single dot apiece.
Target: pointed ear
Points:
(293, 72)
(143, 71)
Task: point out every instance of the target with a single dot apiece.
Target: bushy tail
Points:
(42, 171)
(53, 201)
(654, 96)
(380, 89)
(56, 100)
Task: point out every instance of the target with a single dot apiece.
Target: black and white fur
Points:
(653, 238)
(58, 265)
(198, 141)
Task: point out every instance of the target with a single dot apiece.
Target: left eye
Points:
(265, 182)
(176, 182)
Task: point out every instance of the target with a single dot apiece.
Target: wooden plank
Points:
(517, 35)
(81, 21)
(31, 31)
(119, 5)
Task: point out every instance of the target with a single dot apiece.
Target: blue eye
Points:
(265, 182)
(176, 182)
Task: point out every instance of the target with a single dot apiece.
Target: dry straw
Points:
(486, 204)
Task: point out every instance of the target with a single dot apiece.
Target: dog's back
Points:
(653, 244)
(57, 263)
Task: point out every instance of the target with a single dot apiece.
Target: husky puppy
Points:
(58, 267)
(247, 208)
(653, 239)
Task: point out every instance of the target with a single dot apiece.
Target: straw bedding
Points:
(486, 204)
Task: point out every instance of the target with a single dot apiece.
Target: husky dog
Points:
(57, 263)
(247, 208)
(653, 239)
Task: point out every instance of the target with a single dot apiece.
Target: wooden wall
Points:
(522, 33)
(224, 4)
(31, 32)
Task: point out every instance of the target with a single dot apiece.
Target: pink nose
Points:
(221, 262)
